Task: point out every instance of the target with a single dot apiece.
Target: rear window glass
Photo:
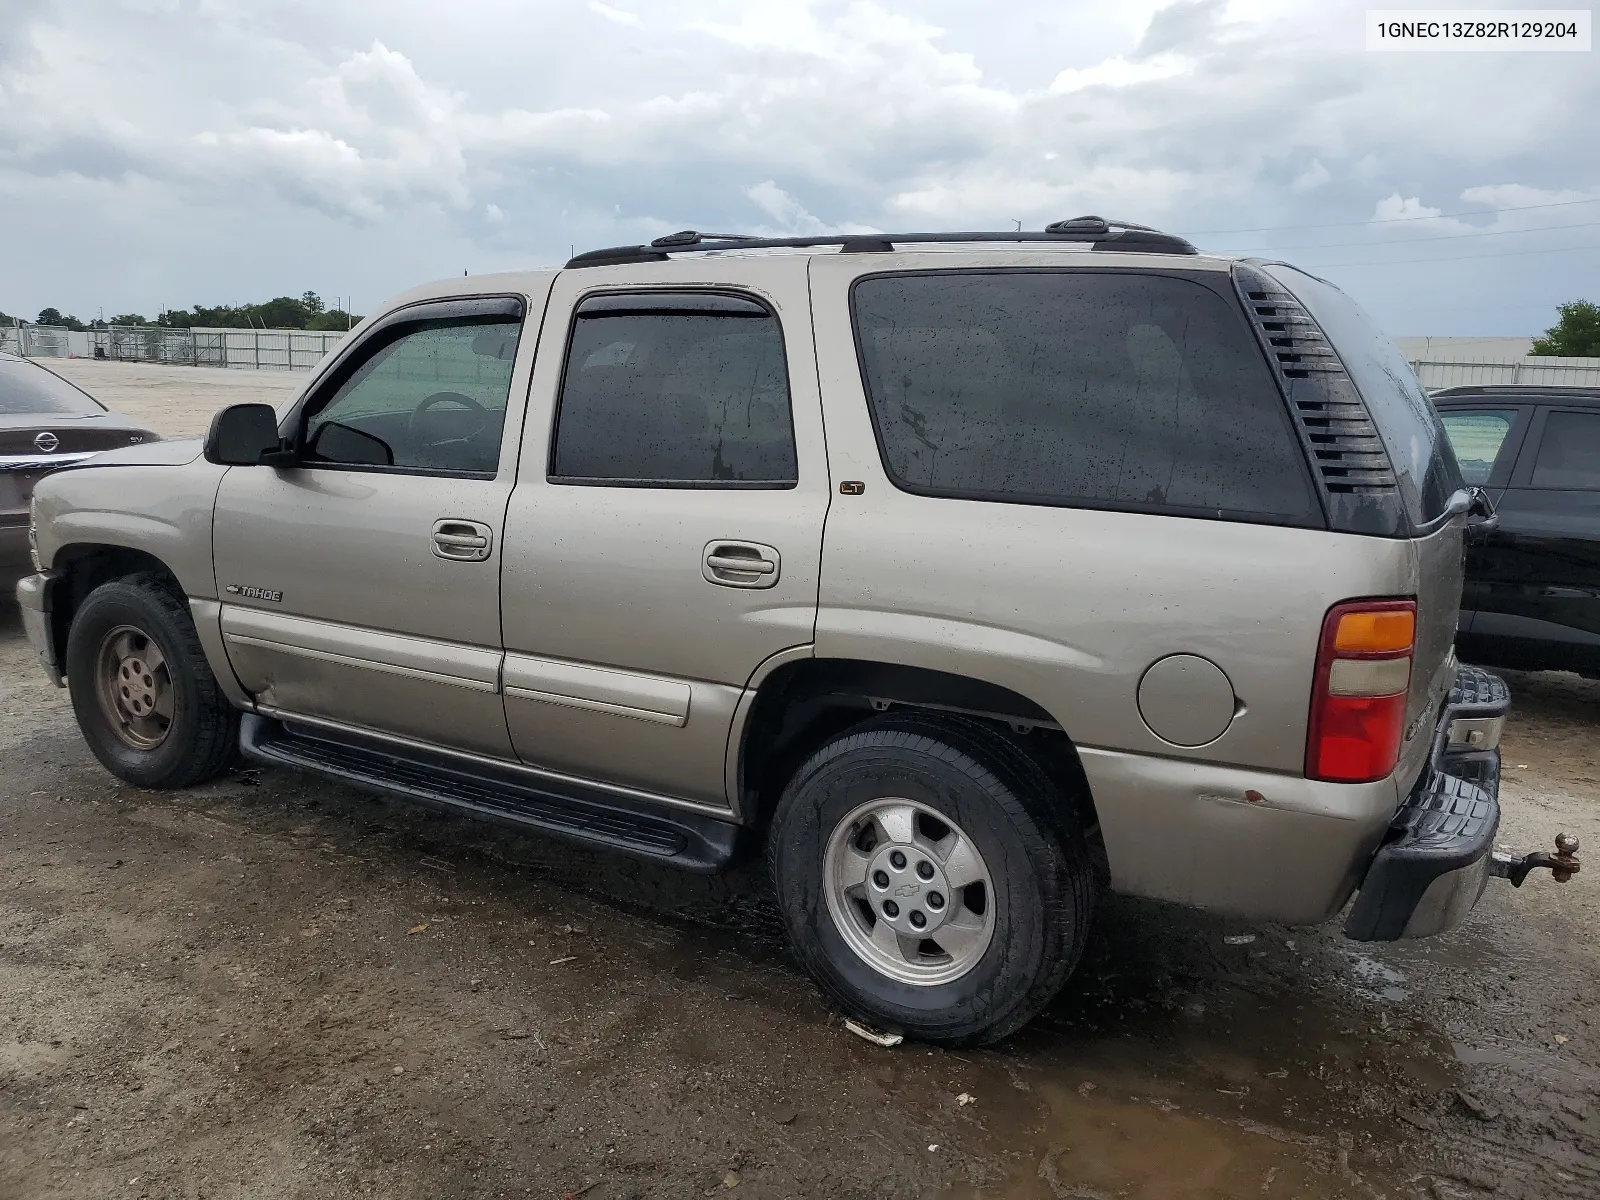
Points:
(1419, 451)
(675, 388)
(1569, 452)
(1092, 389)
(26, 388)
(1476, 435)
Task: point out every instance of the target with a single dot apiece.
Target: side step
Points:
(660, 832)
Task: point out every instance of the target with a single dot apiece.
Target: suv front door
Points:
(664, 537)
(360, 585)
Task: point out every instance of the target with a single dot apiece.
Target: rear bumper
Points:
(1436, 857)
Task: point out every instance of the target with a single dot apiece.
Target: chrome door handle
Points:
(722, 562)
(462, 541)
(740, 564)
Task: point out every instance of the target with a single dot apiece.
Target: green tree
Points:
(129, 319)
(52, 316)
(1576, 334)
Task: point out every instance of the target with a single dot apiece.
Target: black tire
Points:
(1020, 821)
(202, 739)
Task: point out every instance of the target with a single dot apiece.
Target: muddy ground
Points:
(271, 986)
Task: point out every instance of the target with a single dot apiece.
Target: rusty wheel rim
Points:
(133, 684)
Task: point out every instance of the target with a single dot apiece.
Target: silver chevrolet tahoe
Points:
(968, 575)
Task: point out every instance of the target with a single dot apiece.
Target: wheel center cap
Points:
(137, 686)
(908, 889)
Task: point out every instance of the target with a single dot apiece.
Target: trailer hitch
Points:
(1563, 863)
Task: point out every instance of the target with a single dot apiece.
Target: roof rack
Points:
(1105, 235)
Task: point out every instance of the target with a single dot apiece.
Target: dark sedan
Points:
(45, 424)
(1532, 597)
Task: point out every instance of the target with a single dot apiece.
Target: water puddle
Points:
(1376, 980)
(1093, 1148)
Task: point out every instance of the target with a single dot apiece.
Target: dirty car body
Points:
(970, 574)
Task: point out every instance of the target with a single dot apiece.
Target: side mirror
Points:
(1482, 519)
(241, 434)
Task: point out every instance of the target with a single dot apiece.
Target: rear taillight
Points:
(1358, 703)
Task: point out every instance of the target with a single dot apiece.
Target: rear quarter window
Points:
(1077, 388)
(1419, 451)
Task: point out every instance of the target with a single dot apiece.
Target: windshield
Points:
(26, 388)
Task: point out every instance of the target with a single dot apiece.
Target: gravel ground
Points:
(174, 401)
(273, 986)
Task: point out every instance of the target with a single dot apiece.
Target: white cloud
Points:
(616, 15)
(1314, 176)
(1395, 207)
(853, 114)
(1118, 72)
(789, 213)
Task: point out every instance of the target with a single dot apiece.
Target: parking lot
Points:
(274, 986)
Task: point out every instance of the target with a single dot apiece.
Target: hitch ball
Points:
(1566, 856)
(1563, 864)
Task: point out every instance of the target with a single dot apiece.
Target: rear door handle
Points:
(462, 541)
(740, 564)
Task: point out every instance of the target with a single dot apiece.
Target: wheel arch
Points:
(80, 567)
(797, 703)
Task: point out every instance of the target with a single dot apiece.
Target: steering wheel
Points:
(452, 399)
(466, 402)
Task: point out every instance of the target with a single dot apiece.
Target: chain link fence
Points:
(281, 349)
(294, 349)
(41, 341)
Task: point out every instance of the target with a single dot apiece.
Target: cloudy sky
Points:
(168, 152)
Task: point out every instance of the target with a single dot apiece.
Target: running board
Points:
(660, 832)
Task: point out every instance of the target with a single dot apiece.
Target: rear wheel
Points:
(931, 878)
(142, 690)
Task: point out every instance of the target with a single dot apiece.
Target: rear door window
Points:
(1087, 389)
(686, 389)
(1569, 452)
(1478, 436)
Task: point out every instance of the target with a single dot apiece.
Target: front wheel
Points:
(931, 878)
(142, 690)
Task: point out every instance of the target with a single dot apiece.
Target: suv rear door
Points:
(674, 438)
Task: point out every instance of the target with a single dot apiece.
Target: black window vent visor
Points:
(1344, 444)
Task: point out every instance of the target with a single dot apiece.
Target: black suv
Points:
(1532, 597)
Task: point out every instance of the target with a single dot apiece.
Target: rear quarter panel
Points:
(1069, 607)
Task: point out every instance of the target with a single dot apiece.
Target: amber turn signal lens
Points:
(1381, 631)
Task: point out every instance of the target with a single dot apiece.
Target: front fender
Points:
(163, 510)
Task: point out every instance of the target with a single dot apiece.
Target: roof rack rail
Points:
(1105, 235)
